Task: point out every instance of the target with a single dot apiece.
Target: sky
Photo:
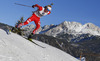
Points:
(82, 11)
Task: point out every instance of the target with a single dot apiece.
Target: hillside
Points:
(15, 48)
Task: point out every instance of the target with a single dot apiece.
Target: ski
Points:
(37, 44)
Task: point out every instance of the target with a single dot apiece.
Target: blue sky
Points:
(82, 11)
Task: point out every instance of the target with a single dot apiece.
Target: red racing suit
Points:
(36, 17)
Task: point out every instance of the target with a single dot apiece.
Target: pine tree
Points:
(18, 30)
(22, 19)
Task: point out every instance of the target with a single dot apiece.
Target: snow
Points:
(77, 28)
(15, 48)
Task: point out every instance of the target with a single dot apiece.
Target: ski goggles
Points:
(48, 9)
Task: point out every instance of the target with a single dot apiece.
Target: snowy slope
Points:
(15, 48)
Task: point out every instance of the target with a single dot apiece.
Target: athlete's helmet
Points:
(49, 7)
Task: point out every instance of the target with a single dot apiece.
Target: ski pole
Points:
(22, 5)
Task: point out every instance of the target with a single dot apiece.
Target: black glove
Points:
(33, 6)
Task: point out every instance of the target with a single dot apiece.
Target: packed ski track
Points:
(16, 48)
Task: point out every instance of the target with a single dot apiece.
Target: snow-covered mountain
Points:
(70, 28)
(15, 48)
(74, 28)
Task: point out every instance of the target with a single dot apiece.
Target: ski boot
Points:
(30, 37)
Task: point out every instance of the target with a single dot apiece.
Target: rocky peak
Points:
(91, 26)
(70, 28)
(70, 24)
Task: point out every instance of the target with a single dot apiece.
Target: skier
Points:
(41, 11)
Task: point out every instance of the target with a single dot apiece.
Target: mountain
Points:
(16, 48)
(73, 28)
(4, 26)
(70, 31)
